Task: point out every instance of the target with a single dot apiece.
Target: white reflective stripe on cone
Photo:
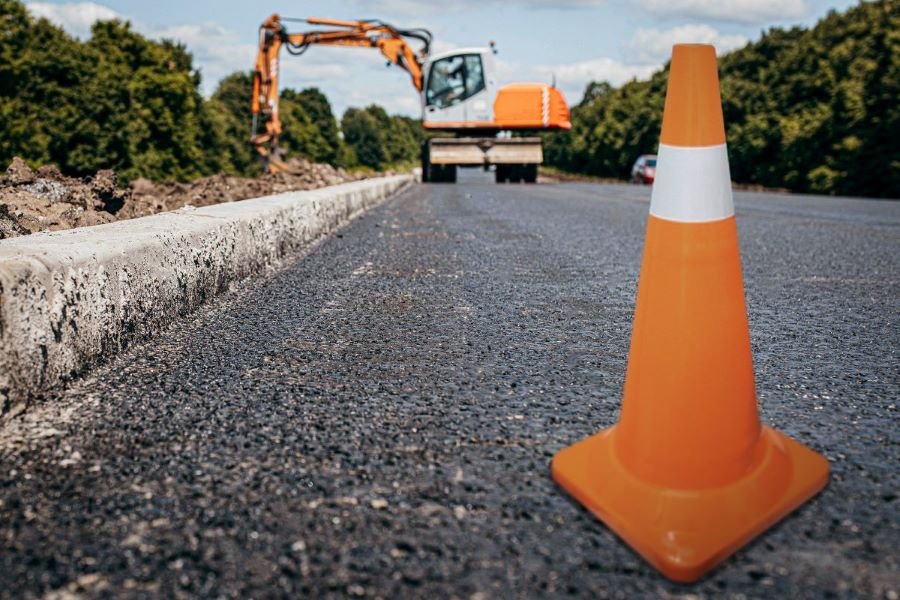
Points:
(692, 184)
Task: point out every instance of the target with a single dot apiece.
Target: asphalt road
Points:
(377, 419)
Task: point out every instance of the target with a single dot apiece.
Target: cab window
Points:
(453, 79)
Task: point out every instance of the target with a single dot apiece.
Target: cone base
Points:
(685, 533)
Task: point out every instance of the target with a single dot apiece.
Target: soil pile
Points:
(46, 200)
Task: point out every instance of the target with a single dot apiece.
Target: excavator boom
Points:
(273, 35)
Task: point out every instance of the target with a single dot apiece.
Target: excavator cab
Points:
(458, 87)
(460, 93)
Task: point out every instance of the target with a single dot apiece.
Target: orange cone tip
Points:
(689, 475)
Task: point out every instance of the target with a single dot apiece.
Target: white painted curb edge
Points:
(69, 298)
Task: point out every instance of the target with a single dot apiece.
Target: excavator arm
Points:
(392, 43)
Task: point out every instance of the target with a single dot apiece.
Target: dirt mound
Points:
(46, 200)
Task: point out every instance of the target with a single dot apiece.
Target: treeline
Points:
(367, 137)
(813, 110)
(119, 100)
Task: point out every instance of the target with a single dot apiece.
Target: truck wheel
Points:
(426, 164)
(501, 173)
(443, 174)
(530, 173)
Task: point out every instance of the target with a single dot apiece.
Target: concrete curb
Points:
(68, 298)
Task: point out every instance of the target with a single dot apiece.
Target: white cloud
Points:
(572, 78)
(439, 45)
(75, 18)
(396, 100)
(217, 51)
(645, 53)
(655, 46)
(424, 7)
(735, 11)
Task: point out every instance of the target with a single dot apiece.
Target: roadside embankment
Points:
(69, 298)
(46, 200)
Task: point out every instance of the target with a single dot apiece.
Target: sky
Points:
(571, 42)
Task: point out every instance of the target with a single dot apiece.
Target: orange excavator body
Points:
(518, 106)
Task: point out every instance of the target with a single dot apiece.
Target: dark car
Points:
(644, 169)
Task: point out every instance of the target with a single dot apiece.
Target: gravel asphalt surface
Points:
(377, 418)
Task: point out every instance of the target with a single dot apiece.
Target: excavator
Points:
(458, 89)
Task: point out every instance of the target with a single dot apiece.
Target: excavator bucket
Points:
(274, 162)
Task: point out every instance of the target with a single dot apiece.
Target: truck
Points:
(481, 121)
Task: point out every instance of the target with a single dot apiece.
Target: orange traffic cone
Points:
(688, 475)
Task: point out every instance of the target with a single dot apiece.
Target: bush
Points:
(812, 110)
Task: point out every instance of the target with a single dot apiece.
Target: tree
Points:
(364, 134)
(227, 131)
(41, 71)
(117, 100)
(301, 134)
(813, 110)
(378, 140)
(318, 108)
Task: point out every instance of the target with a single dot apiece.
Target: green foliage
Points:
(316, 105)
(37, 63)
(302, 132)
(365, 137)
(405, 137)
(117, 100)
(377, 140)
(811, 110)
(227, 115)
(309, 128)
